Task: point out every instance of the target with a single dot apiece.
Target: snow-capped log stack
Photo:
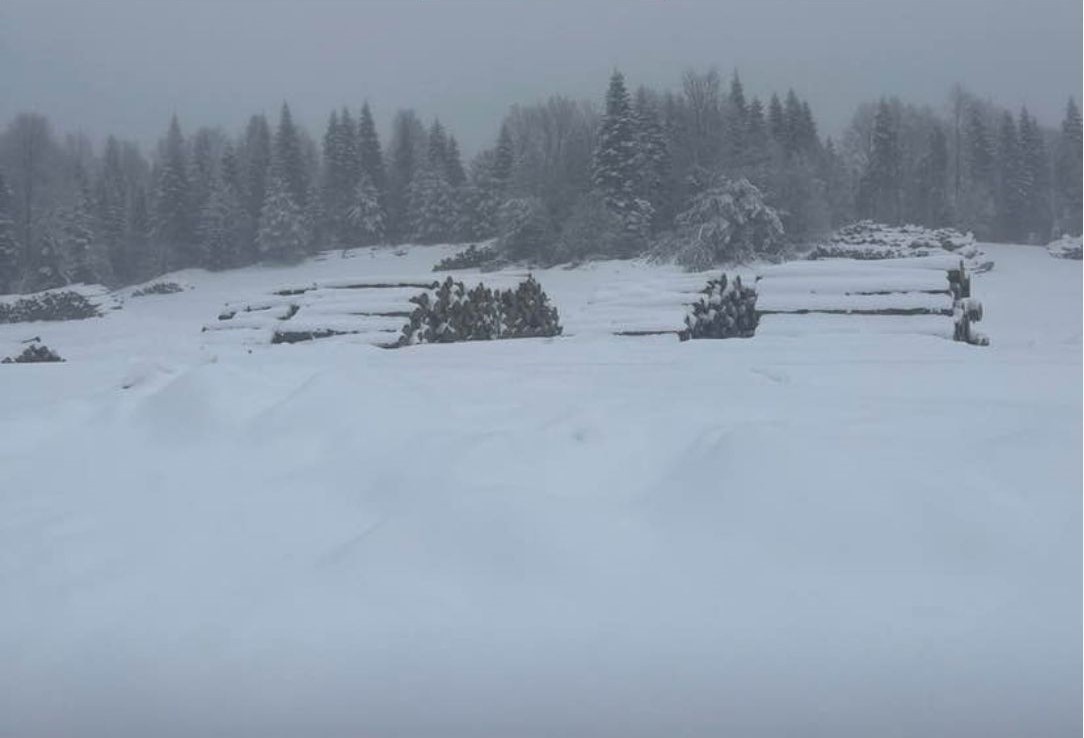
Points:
(452, 313)
(1066, 247)
(727, 309)
(75, 302)
(906, 295)
(870, 241)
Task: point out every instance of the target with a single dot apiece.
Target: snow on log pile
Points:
(905, 295)
(653, 305)
(870, 241)
(1066, 247)
(74, 302)
(369, 310)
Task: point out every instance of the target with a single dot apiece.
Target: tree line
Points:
(563, 181)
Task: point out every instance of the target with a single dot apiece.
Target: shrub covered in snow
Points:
(158, 288)
(1066, 247)
(453, 313)
(34, 354)
(57, 305)
(728, 309)
(727, 222)
(471, 257)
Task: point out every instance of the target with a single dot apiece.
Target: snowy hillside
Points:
(842, 526)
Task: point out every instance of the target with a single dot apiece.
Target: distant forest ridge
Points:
(647, 171)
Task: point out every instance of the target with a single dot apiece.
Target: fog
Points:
(123, 66)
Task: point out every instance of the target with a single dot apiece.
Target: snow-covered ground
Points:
(835, 528)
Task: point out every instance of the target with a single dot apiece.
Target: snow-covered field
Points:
(840, 527)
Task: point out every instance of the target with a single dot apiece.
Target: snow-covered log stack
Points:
(867, 240)
(727, 309)
(913, 295)
(75, 302)
(1066, 247)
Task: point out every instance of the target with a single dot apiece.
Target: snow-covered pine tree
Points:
(737, 124)
(405, 158)
(504, 160)
(111, 204)
(932, 175)
(82, 257)
(282, 235)
(1070, 197)
(654, 153)
(879, 189)
(203, 167)
(11, 266)
(47, 272)
(615, 171)
(173, 218)
(1010, 180)
(1035, 183)
(433, 213)
(221, 225)
(366, 214)
(288, 160)
(255, 163)
(727, 222)
(370, 155)
(138, 254)
(337, 190)
(453, 166)
(777, 124)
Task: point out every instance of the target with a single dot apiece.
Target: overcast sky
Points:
(123, 66)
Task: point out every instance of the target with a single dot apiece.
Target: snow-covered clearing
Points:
(835, 528)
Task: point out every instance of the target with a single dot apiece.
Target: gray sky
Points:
(123, 66)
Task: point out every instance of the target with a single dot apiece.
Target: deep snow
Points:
(819, 531)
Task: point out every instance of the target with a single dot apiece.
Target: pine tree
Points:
(433, 214)
(504, 159)
(367, 215)
(371, 158)
(288, 160)
(1010, 198)
(137, 236)
(1070, 199)
(337, 188)
(82, 258)
(737, 125)
(11, 253)
(654, 157)
(1034, 180)
(932, 181)
(453, 165)
(282, 235)
(203, 167)
(615, 173)
(777, 123)
(406, 144)
(173, 220)
(879, 189)
(255, 165)
(111, 204)
(221, 224)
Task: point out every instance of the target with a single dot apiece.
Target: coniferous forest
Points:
(702, 174)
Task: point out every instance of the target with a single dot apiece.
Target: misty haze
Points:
(471, 368)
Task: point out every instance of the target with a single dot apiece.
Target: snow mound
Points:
(867, 240)
(1066, 247)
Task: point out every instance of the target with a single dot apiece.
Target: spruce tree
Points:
(367, 214)
(654, 157)
(255, 165)
(504, 159)
(370, 155)
(11, 265)
(82, 258)
(932, 181)
(288, 164)
(453, 166)
(1010, 180)
(221, 226)
(111, 204)
(173, 219)
(282, 236)
(737, 125)
(404, 160)
(879, 189)
(777, 123)
(1034, 180)
(433, 214)
(1070, 201)
(615, 172)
